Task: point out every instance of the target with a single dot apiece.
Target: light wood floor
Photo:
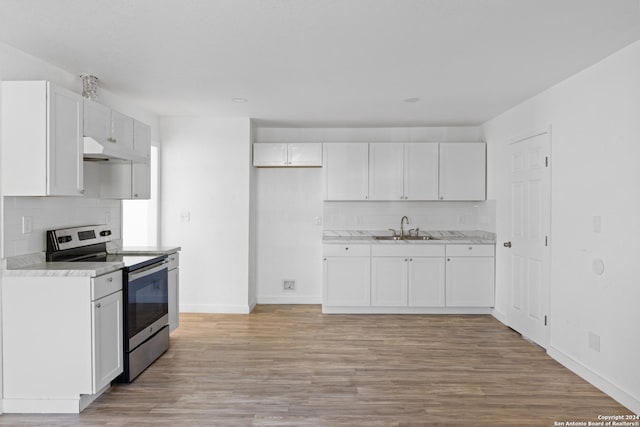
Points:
(292, 365)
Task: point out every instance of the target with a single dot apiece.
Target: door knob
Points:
(507, 244)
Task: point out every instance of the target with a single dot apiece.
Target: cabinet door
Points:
(347, 281)
(174, 300)
(421, 171)
(107, 339)
(65, 154)
(304, 154)
(426, 281)
(269, 154)
(386, 171)
(462, 171)
(121, 130)
(97, 121)
(141, 172)
(347, 171)
(389, 281)
(470, 282)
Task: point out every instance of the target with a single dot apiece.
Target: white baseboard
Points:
(405, 310)
(502, 317)
(41, 406)
(215, 308)
(290, 300)
(603, 384)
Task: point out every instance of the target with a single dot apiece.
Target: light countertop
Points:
(145, 250)
(64, 269)
(442, 237)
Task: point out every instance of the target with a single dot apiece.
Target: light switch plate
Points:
(597, 224)
(27, 224)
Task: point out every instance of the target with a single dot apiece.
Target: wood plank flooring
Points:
(290, 365)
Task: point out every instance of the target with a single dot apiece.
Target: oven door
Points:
(147, 303)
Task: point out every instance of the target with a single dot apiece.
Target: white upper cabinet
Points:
(268, 154)
(386, 175)
(347, 171)
(141, 172)
(463, 171)
(106, 125)
(42, 144)
(305, 154)
(128, 180)
(421, 171)
(403, 171)
(97, 121)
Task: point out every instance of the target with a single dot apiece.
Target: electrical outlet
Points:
(289, 285)
(27, 224)
(597, 224)
(317, 220)
(185, 216)
(107, 218)
(594, 342)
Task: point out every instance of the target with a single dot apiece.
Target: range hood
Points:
(95, 150)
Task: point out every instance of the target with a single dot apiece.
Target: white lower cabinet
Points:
(174, 291)
(407, 276)
(389, 281)
(470, 276)
(62, 340)
(400, 277)
(107, 333)
(426, 281)
(347, 275)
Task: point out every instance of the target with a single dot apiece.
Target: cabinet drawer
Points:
(106, 284)
(346, 250)
(470, 250)
(403, 249)
(173, 260)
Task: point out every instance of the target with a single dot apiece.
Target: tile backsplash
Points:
(47, 213)
(434, 215)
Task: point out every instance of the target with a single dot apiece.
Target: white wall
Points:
(205, 205)
(288, 201)
(595, 123)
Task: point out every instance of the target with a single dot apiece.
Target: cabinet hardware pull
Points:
(347, 248)
(411, 259)
(448, 259)
(507, 244)
(110, 279)
(405, 260)
(470, 247)
(324, 259)
(98, 305)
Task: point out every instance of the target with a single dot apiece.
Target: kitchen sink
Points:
(420, 238)
(405, 238)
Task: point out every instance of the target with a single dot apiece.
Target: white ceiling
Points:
(324, 62)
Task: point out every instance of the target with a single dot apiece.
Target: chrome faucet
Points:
(402, 225)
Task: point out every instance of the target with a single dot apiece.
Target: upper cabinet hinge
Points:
(546, 161)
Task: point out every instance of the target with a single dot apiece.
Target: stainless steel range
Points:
(145, 292)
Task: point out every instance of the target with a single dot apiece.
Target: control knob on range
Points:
(64, 239)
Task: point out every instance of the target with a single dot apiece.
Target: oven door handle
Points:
(147, 271)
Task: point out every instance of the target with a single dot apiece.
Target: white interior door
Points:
(528, 248)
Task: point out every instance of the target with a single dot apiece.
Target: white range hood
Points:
(95, 150)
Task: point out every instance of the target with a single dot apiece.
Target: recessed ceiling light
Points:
(240, 100)
(412, 100)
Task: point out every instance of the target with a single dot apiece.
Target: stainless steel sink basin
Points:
(420, 238)
(405, 238)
